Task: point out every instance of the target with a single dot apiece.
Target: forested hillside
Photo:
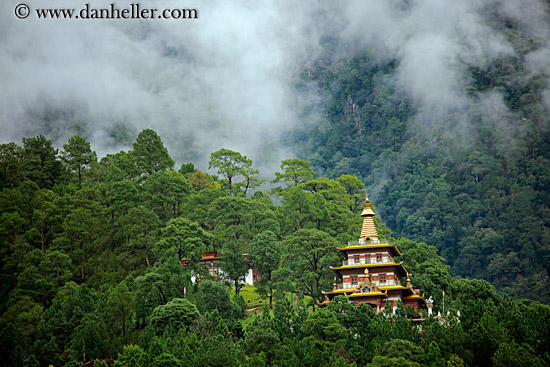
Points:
(90, 269)
(473, 181)
(439, 110)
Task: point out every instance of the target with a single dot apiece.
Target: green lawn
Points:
(254, 301)
(252, 298)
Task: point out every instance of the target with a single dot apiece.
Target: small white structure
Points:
(430, 304)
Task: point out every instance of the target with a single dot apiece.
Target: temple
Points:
(211, 261)
(369, 272)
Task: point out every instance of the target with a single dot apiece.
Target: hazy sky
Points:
(226, 79)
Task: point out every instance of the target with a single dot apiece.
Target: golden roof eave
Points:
(367, 294)
(414, 296)
(391, 287)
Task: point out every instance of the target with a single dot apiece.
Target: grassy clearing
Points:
(252, 298)
(255, 302)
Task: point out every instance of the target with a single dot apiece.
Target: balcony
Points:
(373, 288)
(353, 262)
(347, 285)
(368, 260)
(369, 242)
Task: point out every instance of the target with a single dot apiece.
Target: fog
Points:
(227, 78)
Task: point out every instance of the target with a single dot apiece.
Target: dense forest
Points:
(90, 259)
(91, 245)
(474, 181)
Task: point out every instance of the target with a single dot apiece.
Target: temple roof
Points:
(369, 243)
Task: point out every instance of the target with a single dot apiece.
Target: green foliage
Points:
(77, 154)
(131, 356)
(231, 164)
(40, 161)
(11, 171)
(514, 354)
(11, 344)
(310, 252)
(214, 296)
(294, 171)
(184, 238)
(266, 253)
(473, 183)
(149, 153)
(383, 361)
(121, 306)
(173, 316)
(121, 231)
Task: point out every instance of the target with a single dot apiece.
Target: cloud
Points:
(227, 79)
(223, 80)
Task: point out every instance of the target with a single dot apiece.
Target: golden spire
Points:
(368, 230)
(335, 284)
(408, 285)
(367, 282)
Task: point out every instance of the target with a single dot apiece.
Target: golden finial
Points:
(367, 207)
(335, 284)
(367, 281)
(368, 229)
(408, 281)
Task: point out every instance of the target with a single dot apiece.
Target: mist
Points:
(227, 78)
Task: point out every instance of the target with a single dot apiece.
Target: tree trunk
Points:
(83, 351)
(162, 294)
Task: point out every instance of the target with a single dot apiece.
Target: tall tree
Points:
(80, 226)
(143, 226)
(234, 264)
(165, 191)
(184, 238)
(45, 215)
(11, 172)
(173, 316)
(294, 171)
(77, 154)
(121, 306)
(149, 153)
(354, 191)
(40, 161)
(121, 196)
(266, 252)
(231, 164)
(310, 253)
